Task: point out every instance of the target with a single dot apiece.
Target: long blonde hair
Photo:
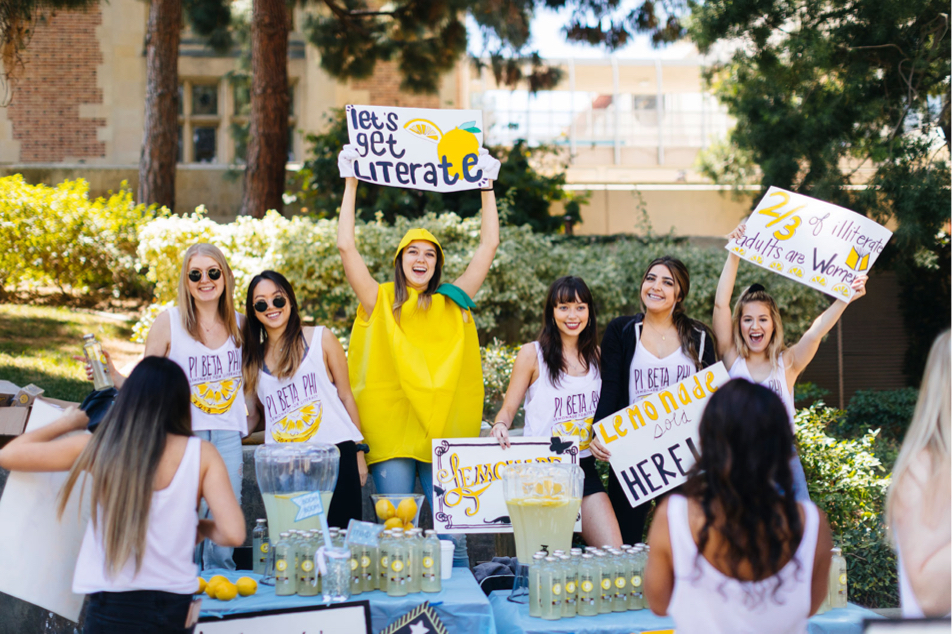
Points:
(751, 294)
(226, 303)
(929, 430)
(123, 457)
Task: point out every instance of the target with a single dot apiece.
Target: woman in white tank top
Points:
(202, 334)
(558, 376)
(736, 552)
(146, 473)
(297, 382)
(750, 340)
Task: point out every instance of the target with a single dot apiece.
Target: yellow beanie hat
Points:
(417, 234)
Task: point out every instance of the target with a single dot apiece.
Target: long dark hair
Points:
(744, 475)
(565, 290)
(124, 453)
(685, 325)
(256, 337)
(400, 293)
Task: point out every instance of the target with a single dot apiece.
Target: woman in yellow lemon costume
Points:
(414, 355)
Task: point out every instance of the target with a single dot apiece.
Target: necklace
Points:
(663, 334)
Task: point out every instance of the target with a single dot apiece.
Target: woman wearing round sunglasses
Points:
(296, 379)
(202, 334)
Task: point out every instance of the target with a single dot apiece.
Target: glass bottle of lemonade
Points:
(431, 558)
(587, 600)
(535, 607)
(570, 570)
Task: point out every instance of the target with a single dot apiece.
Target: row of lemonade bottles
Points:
(406, 562)
(600, 581)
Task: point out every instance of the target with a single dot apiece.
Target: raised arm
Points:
(524, 373)
(157, 344)
(48, 448)
(722, 302)
(358, 275)
(475, 274)
(801, 354)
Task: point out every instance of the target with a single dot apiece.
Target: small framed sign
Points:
(420, 620)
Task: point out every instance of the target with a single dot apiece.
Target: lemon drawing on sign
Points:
(299, 425)
(739, 250)
(842, 289)
(795, 270)
(756, 258)
(581, 429)
(819, 280)
(457, 144)
(776, 266)
(424, 129)
(215, 397)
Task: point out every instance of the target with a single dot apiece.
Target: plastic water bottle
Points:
(397, 574)
(97, 361)
(838, 581)
(285, 582)
(260, 546)
(431, 559)
(587, 600)
(570, 587)
(551, 581)
(535, 607)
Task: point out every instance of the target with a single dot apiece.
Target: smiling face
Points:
(659, 290)
(419, 263)
(205, 289)
(571, 318)
(756, 326)
(272, 318)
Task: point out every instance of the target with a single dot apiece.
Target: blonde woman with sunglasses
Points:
(202, 334)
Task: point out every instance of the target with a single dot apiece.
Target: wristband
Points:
(363, 447)
(487, 189)
(499, 422)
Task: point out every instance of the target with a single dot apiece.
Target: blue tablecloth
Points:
(512, 618)
(461, 605)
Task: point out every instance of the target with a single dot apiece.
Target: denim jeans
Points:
(398, 475)
(799, 479)
(137, 612)
(228, 443)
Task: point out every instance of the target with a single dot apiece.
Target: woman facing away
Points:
(736, 551)
(146, 472)
(296, 379)
(414, 354)
(918, 507)
(643, 354)
(750, 341)
(202, 334)
(558, 377)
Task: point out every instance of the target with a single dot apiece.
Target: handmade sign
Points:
(420, 620)
(467, 479)
(319, 619)
(810, 241)
(416, 148)
(654, 442)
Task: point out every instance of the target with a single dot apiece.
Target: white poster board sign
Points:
(810, 241)
(41, 551)
(467, 479)
(352, 617)
(654, 442)
(417, 148)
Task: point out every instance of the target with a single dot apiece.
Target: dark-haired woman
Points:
(751, 341)
(148, 473)
(737, 552)
(643, 354)
(297, 380)
(414, 352)
(558, 377)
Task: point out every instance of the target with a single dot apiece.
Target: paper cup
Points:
(446, 562)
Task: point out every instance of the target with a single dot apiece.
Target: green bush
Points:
(849, 483)
(57, 236)
(889, 411)
(498, 359)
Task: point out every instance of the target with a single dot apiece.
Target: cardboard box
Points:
(16, 404)
(26, 395)
(7, 391)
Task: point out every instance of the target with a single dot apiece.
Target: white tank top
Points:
(776, 381)
(706, 601)
(566, 409)
(649, 374)
(907, 599)
(167, 564)
(218, 400)
(305, 407)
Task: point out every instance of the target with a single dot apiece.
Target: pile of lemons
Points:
(219, 587)
(400, 517)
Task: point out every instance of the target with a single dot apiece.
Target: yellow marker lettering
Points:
(651, 411)
(698, 390)
(683, 395)
(667, 397)
(709, 380)
(618, 422)
(633, 411)
(605, 436)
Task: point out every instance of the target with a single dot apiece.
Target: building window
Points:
(200, 128)
(241, 96)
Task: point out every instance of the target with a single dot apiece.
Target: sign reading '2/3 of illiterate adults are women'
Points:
(417, 148)
(813, 242)
(654, 442)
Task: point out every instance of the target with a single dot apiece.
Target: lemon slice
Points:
(424, 129)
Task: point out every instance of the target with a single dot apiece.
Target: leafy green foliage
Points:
(57, 236)
(524, 194)
(889, 411)
(498, 359)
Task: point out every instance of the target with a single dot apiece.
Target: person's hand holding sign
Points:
(345, 161)
(489, 166)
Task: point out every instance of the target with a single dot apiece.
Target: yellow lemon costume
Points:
(416, 379)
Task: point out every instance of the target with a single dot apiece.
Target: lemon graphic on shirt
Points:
(456, 145)
(299, 425)
(215, 397)
(424, 129)
(581, 429)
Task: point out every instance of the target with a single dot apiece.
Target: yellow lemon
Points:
(393, 522)
(246, 586)
(201, 585)
(407, 510)
(226, 591)
(455, 145)
(408, 526)
(424, 128)
(211, 588)
(385, 509)
(218, 578)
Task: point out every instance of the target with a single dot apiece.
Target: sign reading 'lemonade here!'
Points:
(417, 148)
(654, 442)
(810, 241)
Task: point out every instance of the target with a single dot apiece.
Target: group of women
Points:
(412, 373)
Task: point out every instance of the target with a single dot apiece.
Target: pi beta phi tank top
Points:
(305, 407)
(649, 374)
(566, 409)
(214, 376)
